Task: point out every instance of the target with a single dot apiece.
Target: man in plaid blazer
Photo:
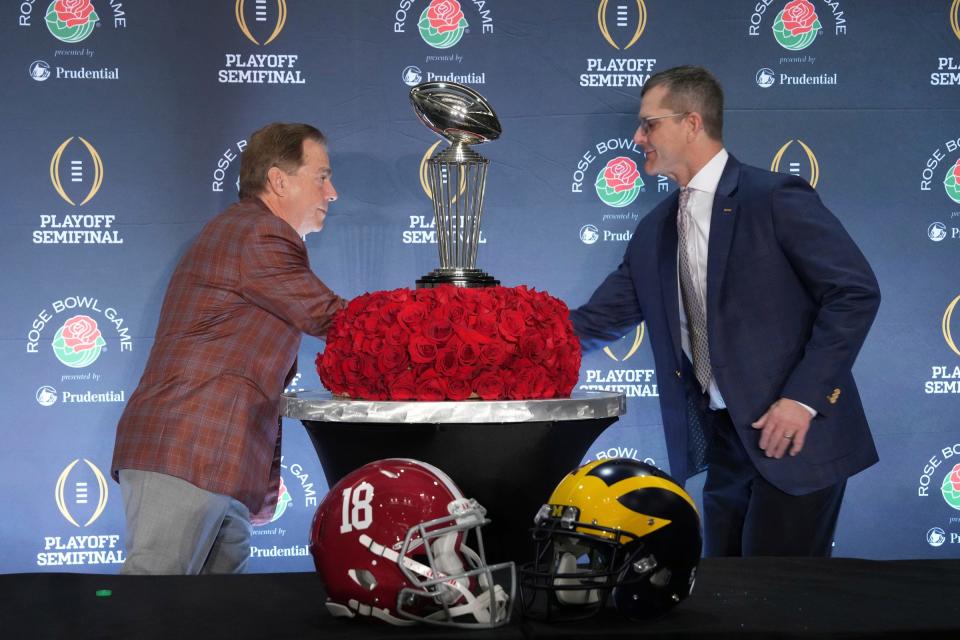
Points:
(198, 446)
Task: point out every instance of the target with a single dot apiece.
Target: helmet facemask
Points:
(450, 583)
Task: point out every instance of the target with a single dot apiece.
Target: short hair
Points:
(691, 88)
(278, 144)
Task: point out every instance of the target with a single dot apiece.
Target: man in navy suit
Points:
(757, 302)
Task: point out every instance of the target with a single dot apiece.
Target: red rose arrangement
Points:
(452, 343)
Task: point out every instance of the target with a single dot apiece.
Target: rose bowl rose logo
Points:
(952, 182)
(797, 26)
(283, 501)
(71, 20)
(442, 24)
(951, 488)
(78, 342)
(619, 183)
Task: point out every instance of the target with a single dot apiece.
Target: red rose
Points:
(404, 386)
(473, 337)
(956, 171)
(388, 313)
(422, 350)
(430, 387)
(444, 15)
(412, 315)
(447, 362)
(438, 330)
(798, 17)
(458, 390)
(369, 369)
(397, 336)
(955, 478)
(454, 312)
(468, 354)
(511, 325)
(487, 324)
(373, 346)
(80, 333)
(532, 345)
(398, 295)
(73, 12)
(392, 358)
(621, 174)
(352, 369)
(489, 386)
(493, 354)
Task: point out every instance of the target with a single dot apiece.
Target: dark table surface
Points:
(758, 597)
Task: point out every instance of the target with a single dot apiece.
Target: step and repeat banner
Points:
(123, 124)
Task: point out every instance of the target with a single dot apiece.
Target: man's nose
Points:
(331, 192)
(638, 137)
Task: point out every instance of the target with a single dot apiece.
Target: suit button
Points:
(678, 373)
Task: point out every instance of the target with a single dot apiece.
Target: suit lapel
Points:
(667, 262)
(723, 219)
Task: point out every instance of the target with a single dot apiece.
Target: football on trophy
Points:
(455, 111)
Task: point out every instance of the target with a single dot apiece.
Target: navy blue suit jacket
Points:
(790, 299)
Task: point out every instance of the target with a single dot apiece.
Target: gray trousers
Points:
(175, 527)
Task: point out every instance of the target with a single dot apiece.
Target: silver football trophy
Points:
(457, 177)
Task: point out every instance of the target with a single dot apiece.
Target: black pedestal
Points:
(509, 468)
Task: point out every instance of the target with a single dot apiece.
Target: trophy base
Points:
(468, 278)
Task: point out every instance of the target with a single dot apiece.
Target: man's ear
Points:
(276, 181)
(696, 122)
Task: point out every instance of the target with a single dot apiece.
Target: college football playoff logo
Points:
(945, 325)
(793, 166)
(81, 493)
(77, 173)
(260, 15)
(621, 22)
(637, 340)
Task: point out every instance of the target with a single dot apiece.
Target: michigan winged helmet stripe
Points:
(608, 494)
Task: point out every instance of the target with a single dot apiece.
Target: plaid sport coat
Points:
(207, 406)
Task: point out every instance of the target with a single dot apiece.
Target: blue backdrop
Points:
(122, 130)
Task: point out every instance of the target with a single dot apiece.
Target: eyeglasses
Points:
(645, 122)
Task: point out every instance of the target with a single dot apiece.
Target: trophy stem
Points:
(457, 179)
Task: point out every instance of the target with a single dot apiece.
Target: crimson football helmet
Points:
(389, 541)
(614, 529)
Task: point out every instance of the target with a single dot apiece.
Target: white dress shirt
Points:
(703, 188)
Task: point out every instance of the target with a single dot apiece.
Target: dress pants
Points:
(744, 515)
(175, 527)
